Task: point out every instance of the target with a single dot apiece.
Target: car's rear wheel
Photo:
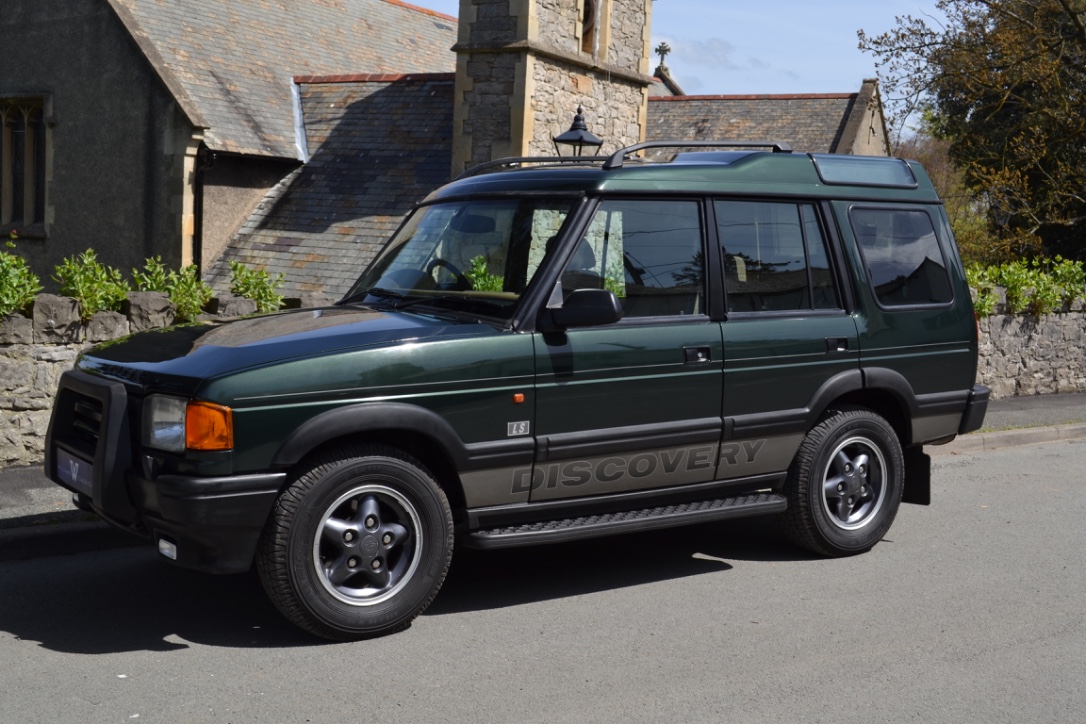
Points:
(358, 545)
(844, 486)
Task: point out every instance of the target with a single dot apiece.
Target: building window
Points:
(589, 20)
(22, 162)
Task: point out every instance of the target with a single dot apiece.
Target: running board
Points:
(592, 526)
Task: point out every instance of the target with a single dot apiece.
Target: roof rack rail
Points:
(520, 160)
(619, 157)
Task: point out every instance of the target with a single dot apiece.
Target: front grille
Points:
(90, 425)
(87, 419)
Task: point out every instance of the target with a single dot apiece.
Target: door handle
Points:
(837, 344)
(697, 354)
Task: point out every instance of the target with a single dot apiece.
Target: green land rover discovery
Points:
(549, 351)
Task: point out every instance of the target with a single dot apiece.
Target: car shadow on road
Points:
(483, 580)
(127, 600)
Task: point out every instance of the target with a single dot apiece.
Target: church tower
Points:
(524, 66)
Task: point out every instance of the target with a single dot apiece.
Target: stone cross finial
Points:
(662, 50)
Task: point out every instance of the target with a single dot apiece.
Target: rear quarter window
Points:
(905, 262)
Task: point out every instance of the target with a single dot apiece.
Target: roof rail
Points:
(520, 160)
(619, 157)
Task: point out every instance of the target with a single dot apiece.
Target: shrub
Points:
(480, 277)
(980, 280)
(256, 284)
(188, 293)
(18, 284)
(96, 286)
(1070, 276)
(155, 277)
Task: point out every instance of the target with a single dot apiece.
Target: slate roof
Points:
(812, 123)
(229, 63)
(663, 84)
(378, 144)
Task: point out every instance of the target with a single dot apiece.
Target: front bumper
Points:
(213, 523)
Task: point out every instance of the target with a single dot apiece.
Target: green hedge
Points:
(1038, 286)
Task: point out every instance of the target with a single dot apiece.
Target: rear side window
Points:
(774, 257)
(904, 261)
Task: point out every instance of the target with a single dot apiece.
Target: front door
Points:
(633, 405)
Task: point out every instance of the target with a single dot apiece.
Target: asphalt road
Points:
(972, 610)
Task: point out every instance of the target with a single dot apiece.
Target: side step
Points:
(592, 526)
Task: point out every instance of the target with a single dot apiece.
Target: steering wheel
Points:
(462, 282)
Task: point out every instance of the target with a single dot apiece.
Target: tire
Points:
(358, 545)
(844, 485)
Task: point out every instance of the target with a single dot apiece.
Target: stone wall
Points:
(36, 350)
(1025, 355)
(611, 107)
(1019, 355)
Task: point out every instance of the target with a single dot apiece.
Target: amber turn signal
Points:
(209, 427)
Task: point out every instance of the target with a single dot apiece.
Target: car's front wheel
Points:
(845, 484)
(358, 545)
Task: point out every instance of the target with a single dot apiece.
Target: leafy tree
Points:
(1003, 82)
(979, 240)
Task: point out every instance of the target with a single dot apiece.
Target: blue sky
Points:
(775, 46)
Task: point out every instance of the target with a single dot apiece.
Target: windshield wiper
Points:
(374, 292)
(462, 304)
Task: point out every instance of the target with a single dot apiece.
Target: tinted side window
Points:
(774, 257)
(904, 260)
(648, 252)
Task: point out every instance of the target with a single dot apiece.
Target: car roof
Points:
(743, 172)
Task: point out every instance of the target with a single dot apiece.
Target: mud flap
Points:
(917, 477)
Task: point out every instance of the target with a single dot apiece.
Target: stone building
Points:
(522, 67)
(143, 127)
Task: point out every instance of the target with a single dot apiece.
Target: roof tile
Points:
(230, 62)
(371, 161)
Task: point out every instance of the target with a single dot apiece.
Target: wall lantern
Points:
(577, 139)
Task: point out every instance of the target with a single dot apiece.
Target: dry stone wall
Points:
(36, 350)
(1019, 355)
(1026, 355)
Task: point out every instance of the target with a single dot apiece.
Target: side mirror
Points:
(584, 308)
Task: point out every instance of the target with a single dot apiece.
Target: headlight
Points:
(173, 424)
(164, 423)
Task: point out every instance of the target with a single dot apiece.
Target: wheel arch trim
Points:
(399, 417)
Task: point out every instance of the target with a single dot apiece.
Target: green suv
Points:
(548, 351)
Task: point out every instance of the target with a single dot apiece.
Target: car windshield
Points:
(475, 256)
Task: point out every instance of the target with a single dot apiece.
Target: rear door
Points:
(788, 340)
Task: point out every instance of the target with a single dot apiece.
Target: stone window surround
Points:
(36, 112)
